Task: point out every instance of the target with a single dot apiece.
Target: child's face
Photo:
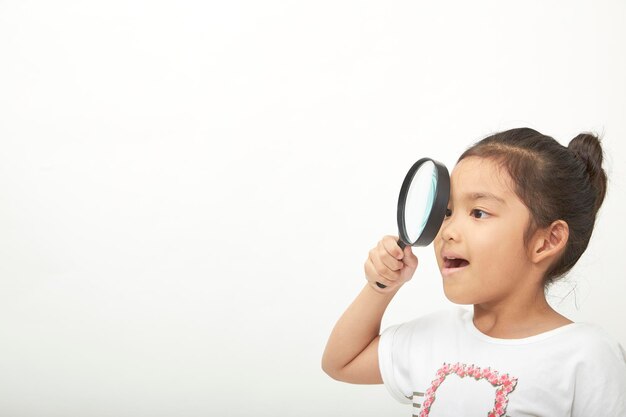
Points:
(485, 232)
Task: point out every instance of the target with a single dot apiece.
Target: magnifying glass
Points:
(422, 203)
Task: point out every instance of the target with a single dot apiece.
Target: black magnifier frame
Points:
(437, 212)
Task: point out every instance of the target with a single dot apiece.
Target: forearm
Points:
(356, 329)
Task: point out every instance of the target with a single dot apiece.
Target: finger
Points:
(371, 274)
(382, 269)
(409, 259)
(388, 259)
(390, 244)
(377, 273)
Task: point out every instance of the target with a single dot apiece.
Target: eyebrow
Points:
(483, 195)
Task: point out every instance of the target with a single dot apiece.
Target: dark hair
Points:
(553, 181)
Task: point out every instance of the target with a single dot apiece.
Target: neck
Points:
(518, 318)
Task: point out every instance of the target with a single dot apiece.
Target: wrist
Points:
(387, 292)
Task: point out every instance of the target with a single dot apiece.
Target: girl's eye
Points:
(478, 211)
(480, 214)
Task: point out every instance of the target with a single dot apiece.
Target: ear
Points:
(550, 242)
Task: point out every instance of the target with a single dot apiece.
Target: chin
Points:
(461, 301)
(458, 297)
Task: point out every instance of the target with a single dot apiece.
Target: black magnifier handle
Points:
(402, 246)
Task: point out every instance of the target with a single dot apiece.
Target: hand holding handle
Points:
(402, 246)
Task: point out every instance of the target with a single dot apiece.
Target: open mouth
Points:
(450, 263)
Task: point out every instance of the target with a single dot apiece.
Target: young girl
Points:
(521, 211)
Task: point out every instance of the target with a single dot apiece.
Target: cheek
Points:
(499, 252)
(437, 249)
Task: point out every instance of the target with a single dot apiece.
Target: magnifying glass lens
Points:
(419, 200)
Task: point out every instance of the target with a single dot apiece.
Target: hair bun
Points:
(587, 148)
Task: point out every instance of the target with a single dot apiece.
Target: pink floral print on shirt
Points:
(504, 385)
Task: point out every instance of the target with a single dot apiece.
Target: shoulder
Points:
(402, 345)
(592, 341)
(594, 352)
(599, 371)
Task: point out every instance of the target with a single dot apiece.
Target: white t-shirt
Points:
(444, 366)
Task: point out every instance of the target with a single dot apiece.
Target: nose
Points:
(449, 231)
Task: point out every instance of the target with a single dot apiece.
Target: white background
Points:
(188, 190)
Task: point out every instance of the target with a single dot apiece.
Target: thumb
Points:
(409, 259)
